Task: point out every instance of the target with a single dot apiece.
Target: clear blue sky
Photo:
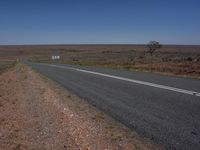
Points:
(99, 21)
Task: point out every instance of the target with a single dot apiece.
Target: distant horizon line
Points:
(77, 44)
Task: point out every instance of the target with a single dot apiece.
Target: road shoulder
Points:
(36, 112)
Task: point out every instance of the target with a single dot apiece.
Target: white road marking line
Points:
(132, 80)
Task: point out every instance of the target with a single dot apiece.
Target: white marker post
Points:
(55, 57)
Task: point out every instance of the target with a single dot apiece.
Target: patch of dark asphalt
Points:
(167, 117)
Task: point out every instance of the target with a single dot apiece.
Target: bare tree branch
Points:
(153, 46)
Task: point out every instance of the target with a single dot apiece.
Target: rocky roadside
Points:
(36, 113)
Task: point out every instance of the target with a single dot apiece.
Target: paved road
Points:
(164, 109)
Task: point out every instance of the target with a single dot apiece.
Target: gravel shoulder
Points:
(37, 113)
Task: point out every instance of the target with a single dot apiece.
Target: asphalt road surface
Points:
(162, 108)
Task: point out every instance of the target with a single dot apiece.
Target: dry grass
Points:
(172, 60)
(4, 65)
(179, 64)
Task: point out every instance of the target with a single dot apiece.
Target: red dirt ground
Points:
(36, 113)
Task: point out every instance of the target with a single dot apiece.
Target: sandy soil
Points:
(36, 113)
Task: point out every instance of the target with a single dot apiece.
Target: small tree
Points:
(153, 46)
